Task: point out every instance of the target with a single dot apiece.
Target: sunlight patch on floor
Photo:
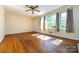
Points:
(46, 38)
(35, 34)
(43, 37)
(57, 41)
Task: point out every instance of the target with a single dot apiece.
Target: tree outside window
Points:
(51, 22)
(62, 21)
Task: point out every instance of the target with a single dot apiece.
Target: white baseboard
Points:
(17, 32)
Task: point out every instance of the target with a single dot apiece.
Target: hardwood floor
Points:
(32, 42)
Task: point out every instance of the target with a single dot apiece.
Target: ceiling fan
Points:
(32, 8)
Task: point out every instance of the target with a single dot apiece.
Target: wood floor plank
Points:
(32, 42)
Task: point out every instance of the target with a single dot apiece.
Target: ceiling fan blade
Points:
(37, 10)
(28, 10)
(28, 6)
(37, 6)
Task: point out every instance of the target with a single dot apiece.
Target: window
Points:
(42, 20)
(62, 21)
(50, 22)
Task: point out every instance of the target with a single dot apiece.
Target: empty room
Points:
(39, 28)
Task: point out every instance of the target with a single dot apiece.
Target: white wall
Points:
(16, 23)
(74, 35)
(2, 24)
(37, 23)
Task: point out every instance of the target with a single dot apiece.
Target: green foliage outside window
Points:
(51, 21)
(62, 21)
